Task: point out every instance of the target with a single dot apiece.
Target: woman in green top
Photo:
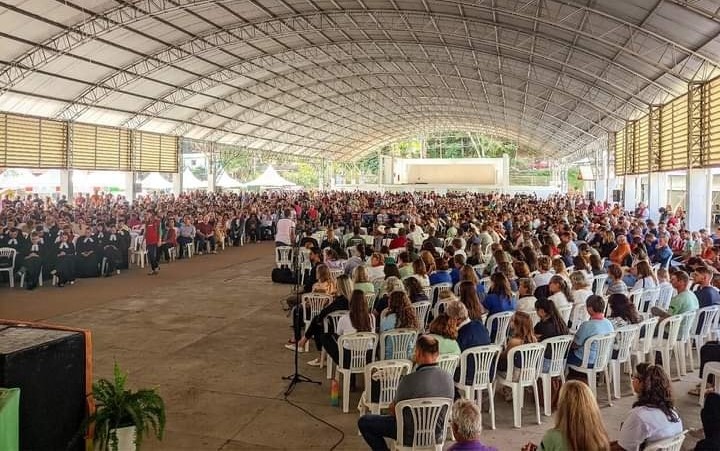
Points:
(578, 425)
(445, 331)
(361, 281)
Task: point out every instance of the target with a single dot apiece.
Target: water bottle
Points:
(334, 393)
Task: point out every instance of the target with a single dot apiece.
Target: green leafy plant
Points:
(119, 407)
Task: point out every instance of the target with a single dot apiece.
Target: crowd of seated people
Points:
(510, 254)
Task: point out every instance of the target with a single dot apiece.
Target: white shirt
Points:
(376, 272)
(344, 325)
(559, 299)
(646, 424)
(526, 304)
(284, 228)
(580, 296)
(541, 279)
(647, 282)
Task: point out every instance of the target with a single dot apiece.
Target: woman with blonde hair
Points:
(361, 280)
(578, 423)
(429, 260)
(391, 285)
(445, 332)
(560, 269)
(376, 270)
(326, 283)
(522, 334)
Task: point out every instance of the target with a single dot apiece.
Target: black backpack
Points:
(283, 275)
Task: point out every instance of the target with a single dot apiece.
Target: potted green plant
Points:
(124, 417)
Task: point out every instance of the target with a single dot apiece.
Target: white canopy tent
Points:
(270, 178)
(155, 181)
(225, 181)
(189, 181)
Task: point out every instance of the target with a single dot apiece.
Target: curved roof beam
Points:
(429, 120)
(92, 27)
(383, 113)
(329, 67)
(458, 113)
(310, 101)
(219, 38)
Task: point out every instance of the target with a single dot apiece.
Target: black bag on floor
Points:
(283, 275)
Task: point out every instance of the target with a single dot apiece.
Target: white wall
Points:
(460, 171)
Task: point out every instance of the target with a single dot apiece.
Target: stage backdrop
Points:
(461, 171)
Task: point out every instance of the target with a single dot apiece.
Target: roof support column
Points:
(506, 174)
(601, 175)
(66, 185)
(135, 143)
(657, 181)
(211, 169)
(699, 179)
(630, 188)
(177, 177)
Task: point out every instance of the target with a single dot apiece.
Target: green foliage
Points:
(574, 182)
(119, 407)
(200, 172)
(305, 175)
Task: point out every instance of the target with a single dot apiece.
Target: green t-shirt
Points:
(685, 301)
(553, 440)
(365, 287)
(405, 271)
(447, 345)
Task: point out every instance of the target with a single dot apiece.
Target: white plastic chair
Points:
(559, 347)
(565, 311)
(711, 369)
(337, 272)
(430, 418)
(370, 299)
(643, 345)
(283, 256)
(668, 346)
(439, 308)
(531, 356)
(312, 303)
(664, 296)
(190, 247)
(436, 289)
(578, 315)
(421, 313)
(386, 373)
(304, 263)
(625, 339)
(449, 363)
(603, 345)
(330, 323)
(362, 351)
(684, 347)
(403, 343)
(139, 252)
(709, 317)
(635, 297)
(648, 299)
(428, 292)
(471, 386)
(9, 253)
(599, 284)
(502, 321)
(669, 444)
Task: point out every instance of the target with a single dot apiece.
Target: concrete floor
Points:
(209, 334)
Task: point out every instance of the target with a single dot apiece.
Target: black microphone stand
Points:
(295, 378)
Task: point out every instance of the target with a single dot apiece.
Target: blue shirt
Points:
(663, 255)
(496, 303)
(440, 277)
(455, 276)
(590, 329)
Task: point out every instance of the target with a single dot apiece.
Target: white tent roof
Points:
(16, 178)
(189, 181)
(225, 181)
(270, 178)
(48, 178)
(156, 181)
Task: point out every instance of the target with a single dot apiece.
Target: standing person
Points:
(427, 381)
(710, 416)
(285, 235)
(152, 240)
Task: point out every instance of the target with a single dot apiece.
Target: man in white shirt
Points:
(285, 235)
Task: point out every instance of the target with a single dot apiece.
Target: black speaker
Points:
(591, 195)
(49, 368)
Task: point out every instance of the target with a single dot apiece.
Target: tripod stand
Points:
(295, 378)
